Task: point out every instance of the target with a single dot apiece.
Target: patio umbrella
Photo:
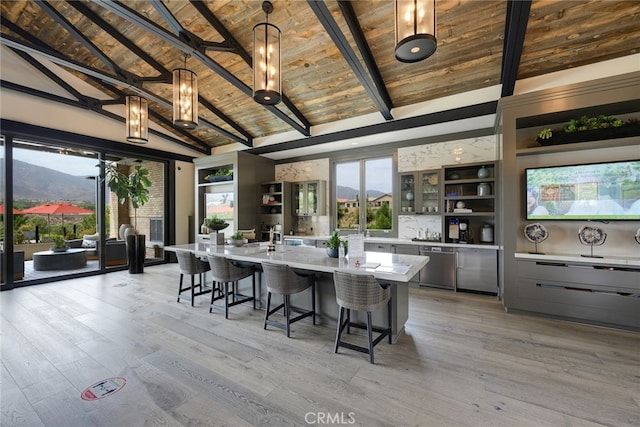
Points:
(15, 211)
(57, 209)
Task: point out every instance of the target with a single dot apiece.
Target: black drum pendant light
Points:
(266, 61)
(137, 119)
(185, 97)
(415, 30)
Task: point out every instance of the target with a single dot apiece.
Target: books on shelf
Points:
(462, 210)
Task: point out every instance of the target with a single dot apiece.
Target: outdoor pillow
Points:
(88, 243)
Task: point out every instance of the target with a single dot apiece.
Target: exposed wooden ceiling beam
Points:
(165, 75)
(194, 47)
(94, 106)
(461, 113)
(367, 56)
(324, 16)
(515, 30)
(60, 59)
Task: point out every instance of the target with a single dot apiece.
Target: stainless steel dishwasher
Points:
(440, 271)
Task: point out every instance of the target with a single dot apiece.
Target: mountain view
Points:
(41, 184)
(351, 193)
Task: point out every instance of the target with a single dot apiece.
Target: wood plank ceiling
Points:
(132, 46)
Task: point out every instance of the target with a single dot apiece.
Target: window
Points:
(156, 230)
(364, 194)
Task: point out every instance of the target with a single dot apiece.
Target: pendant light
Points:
(137, 119)
(415, 30)
(185, 97)
(266, 61)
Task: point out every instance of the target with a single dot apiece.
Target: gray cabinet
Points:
(589, 291)
(379, 247)
(470, 201)
(477, 269)
(274, 208)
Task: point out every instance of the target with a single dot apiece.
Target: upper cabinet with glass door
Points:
(419, 192)
(310, 198)
(430, 194)
(407, 193)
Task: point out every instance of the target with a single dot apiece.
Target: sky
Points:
(378, 174)
(72, 165)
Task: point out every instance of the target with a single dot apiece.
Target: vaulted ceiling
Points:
(337, 56)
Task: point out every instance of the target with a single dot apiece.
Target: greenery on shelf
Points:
(219, 173)
(586, 123)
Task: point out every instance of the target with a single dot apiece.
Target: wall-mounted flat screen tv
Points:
(596, 191)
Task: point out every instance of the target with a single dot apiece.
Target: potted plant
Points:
(215, 223)
(59, 244)
(237, 239)
(333, 245)
(135, 187)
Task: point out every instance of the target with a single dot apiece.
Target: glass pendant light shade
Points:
(415, 30)
(266, 62)
(185, 98)
(137, 119)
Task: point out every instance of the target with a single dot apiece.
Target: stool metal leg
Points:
(266, 313)
(226, 300)
(193, 294)
(287, 309)
(370, 336)
(389, 315)
(180, 286)
(313, 300)
(339, 328)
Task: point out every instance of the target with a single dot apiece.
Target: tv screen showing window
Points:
(596, 191)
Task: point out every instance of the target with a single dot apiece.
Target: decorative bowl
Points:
(238, 242)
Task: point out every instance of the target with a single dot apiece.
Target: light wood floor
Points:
(463, 361)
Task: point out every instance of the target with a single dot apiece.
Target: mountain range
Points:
(42, 184)
(31, 182)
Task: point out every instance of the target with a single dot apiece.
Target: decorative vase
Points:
(483, 172)
(54, 249)
(122, 230)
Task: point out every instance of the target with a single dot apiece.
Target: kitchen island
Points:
(395, 269)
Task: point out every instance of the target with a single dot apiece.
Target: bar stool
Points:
(360, 292)
(281, 279)
(191, 265)
(225, 272)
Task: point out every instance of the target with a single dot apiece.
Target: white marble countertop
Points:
(573, 258)
(384, 266)
(397, 241)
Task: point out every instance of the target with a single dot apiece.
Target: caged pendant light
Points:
(185, 97)
(137, 119)
(266, 61)
(415, 30)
